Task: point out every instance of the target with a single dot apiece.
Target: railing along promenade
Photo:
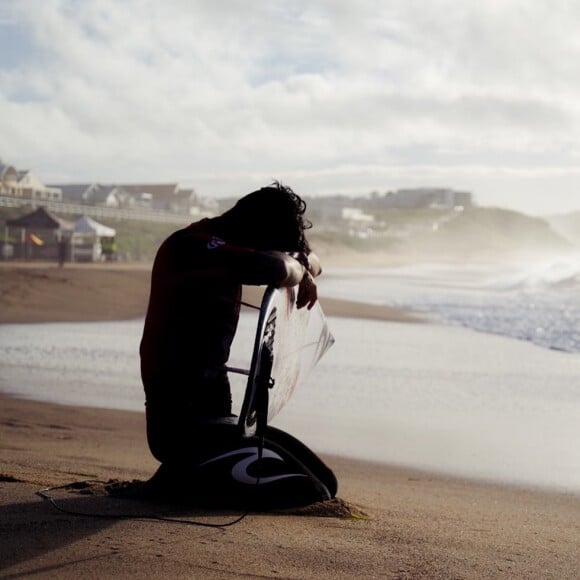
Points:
(102, 212)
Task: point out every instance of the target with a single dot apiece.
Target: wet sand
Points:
(419, 525)
(39, 292)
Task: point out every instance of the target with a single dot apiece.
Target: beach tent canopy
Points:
(87, 225)
(40, 219)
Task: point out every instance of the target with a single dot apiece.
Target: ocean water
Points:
(534, 301)
(438, 397)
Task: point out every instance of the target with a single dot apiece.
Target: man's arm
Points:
(259, 267)
(284, 270)
(271, 268)
(310, 261)
(315, 267)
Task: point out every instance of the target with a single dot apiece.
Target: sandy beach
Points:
(402, 523)
(37, 292)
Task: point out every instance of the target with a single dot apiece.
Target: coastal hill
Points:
(492, 231)
(567, 225)
(470, 234)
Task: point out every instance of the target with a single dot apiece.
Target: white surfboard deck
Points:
(289, 342)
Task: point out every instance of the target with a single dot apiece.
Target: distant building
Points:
(33, 188)
(163, 196)
(356, 215)
(107, 196)
(77, 192)
(9, 181)
(157, 196)
(25, 184)
(424, 197)
(323, 210)
(152, 195)
(90, 194)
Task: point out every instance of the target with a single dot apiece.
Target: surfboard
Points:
(289, 342)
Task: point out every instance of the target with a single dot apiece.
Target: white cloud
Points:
(222, 92)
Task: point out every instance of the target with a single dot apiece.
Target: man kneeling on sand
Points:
(191, 321)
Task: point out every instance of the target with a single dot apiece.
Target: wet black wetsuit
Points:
(189, 327)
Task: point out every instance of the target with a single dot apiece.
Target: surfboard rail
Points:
(289, 342)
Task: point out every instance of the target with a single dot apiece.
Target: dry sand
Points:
(419, 525)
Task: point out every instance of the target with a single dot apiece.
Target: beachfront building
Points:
(153, 195)
(33, 188)
(107, 196)
(162, 196)
(25, 184)
(167, 197)
(91, 194)
(78, 193)
(9, 181)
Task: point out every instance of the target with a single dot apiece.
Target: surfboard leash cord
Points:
(44, 493)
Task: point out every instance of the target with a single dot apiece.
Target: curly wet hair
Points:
(271, 218)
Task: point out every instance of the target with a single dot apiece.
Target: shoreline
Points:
(132, 418)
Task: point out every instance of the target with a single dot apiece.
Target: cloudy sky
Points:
(329, 96)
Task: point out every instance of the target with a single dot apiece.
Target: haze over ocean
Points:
(535, 301)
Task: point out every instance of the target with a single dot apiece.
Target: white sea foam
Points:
(556, 273)
(538, 302)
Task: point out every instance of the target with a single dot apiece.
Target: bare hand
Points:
(307, 292)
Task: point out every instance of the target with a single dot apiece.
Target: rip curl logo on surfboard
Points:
(215, 243)
(251, 455)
